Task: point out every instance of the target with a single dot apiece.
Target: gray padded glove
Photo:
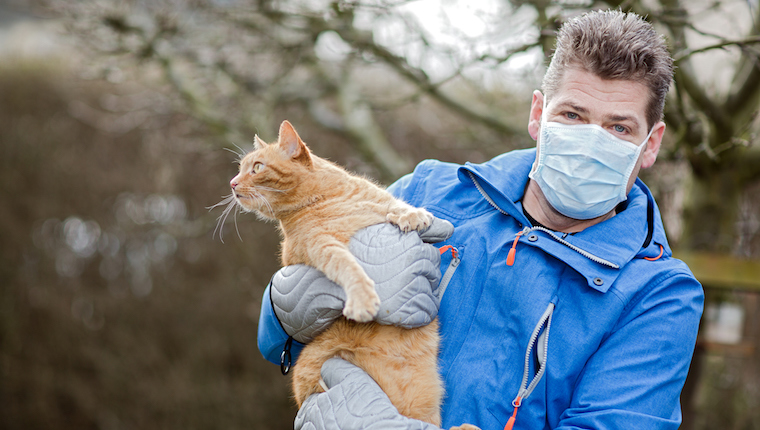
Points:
(353, 401)
(405, 268)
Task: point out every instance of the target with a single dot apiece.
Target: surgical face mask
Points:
(583, 170)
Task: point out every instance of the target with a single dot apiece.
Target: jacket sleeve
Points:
(405, 187)
(271, 336)
(634, 380)
(400, 188)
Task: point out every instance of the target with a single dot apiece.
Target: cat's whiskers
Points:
(241, 153)
(221, 219)
(232, 151)
(234, 217)
(259, 200)
(254, 193)
(225, 200)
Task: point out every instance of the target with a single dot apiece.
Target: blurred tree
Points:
(242, 66)
(236, 63)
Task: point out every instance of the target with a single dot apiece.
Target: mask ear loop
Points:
(543, 112)
(534, 168)
(640, 150)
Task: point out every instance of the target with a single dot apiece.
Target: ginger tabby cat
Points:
(319, 207)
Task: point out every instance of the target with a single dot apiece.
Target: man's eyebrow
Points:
(624, 118)
(572, 106)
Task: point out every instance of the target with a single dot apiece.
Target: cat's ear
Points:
(292, 143)
(258, 143)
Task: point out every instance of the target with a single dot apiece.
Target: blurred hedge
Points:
(118, 308)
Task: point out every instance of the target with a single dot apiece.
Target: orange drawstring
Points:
(443, 249)
(513, 251)
(513, 418)
(656, 258)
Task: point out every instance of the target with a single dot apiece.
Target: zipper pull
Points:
(442, 250)
(513, 250)
(511, 422)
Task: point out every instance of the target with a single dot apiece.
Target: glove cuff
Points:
(271, 335)
(305, 301)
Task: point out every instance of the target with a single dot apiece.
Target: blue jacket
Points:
(592, 330)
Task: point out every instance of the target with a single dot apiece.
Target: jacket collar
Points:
(619, 239)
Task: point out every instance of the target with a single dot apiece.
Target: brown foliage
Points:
(119, 309)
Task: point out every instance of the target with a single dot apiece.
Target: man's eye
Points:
(257, 167)
(619, 128)
(571, 115)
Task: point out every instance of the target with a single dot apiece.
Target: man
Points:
(566, 309)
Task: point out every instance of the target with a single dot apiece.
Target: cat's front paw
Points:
(413, 219)
(362, 304)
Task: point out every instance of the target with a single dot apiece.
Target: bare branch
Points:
(508, 55)
(675, 19)
(745, 93)
(422, 80)
(743, 100)
(748, 41)
(360, 123)
(197, 106)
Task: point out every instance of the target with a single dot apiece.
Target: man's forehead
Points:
(613, 99)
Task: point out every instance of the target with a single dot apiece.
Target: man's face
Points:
(619, 106)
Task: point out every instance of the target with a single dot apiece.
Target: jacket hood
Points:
(635, 232)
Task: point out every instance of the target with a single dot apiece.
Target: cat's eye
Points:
(257, 167)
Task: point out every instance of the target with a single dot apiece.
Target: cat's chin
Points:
(262, 217)
(257, 211)
(245, 203)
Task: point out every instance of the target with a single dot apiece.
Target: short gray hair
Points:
(614, 45)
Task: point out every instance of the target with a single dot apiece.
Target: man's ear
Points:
(536, 109)
(292, 144)
(653, 146)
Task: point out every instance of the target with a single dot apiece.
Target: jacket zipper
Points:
(540, 340)
(544, 322)
(511, 255)
(449, 273)
(580, 251)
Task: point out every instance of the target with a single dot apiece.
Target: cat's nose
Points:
(233, 184)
